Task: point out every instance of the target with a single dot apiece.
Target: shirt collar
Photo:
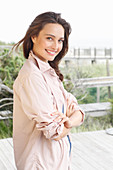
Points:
(43, 66)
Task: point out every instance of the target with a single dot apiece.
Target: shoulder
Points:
(29, 71)
(28, 68)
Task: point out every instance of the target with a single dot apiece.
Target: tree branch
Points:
(5, 99)
(6, 104)
(2, 86)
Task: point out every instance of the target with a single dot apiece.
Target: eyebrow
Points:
(53, 36)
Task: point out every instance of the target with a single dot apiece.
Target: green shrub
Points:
(94, 123)
(9, 67)
(6, 128)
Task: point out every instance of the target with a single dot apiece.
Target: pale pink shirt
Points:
(38, 92)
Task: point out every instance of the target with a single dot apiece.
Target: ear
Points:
(33, 38)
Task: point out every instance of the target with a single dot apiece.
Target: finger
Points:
(71, 107)
(63, 120)
(55, 113)
(59, 117)
(69, 104)
(67, 101)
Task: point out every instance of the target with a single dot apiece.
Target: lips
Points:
(51, 52)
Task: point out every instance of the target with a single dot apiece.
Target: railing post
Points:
(98, 94)
(108, 74)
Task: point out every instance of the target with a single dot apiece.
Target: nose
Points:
(55, 45)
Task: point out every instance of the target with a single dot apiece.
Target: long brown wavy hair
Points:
(36, 26)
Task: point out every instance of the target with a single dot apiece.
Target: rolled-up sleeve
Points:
(73, 101)
(37, 104)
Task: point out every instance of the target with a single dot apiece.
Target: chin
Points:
(51, 59)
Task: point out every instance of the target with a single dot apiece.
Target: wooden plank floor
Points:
(6, 155)
(91, 151)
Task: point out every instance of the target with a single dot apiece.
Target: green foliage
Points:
(91, 96)
(2, 43)
(95, 123)
(75, 71)
(111, 100)
(71, 74)
(9, 67)
(6, 127)
(111, 115)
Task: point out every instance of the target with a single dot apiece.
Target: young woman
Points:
(44, 112)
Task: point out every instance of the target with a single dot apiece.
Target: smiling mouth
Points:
(51, 52)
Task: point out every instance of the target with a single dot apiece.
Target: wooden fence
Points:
(89, 53)
(95, 82)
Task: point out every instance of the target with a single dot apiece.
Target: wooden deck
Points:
(6, 155)
(91, 151)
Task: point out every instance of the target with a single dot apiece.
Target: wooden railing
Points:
(95, 82)
(89, 53)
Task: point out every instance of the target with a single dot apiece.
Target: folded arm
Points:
(38, 106)
(74, 114)
(74, 120)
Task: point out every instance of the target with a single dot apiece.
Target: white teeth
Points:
(52, 52)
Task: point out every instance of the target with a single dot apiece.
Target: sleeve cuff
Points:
(52, 130)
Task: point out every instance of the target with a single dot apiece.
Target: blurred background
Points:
(87, 67)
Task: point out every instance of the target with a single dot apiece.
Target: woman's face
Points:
(49, 42)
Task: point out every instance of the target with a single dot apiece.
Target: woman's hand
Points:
(63, 134)
(69, 109)
(61, 117)
(76, 117)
